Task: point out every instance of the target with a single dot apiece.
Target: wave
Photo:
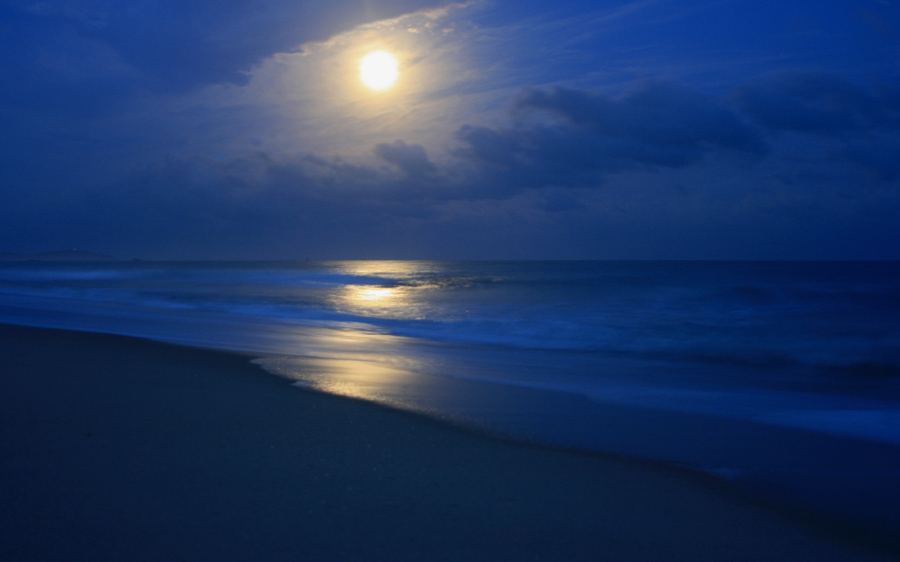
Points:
(769, 316)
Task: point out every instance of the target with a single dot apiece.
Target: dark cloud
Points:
(567, 137)
(256, 189)
(861, 121)
(820, 103)
(263, 206)
(411, 158)
(658, 114)
(171, 45)
(258, 205)
(185, 42)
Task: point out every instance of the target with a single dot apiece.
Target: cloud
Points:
(256, 189)
(411, 158)
(861, 122)
(659, 114)
(819, 103)
(176, 45)
(568, 137)
(267, 206)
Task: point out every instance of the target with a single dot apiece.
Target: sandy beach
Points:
(116, 448)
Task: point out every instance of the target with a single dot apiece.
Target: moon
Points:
(378, 70)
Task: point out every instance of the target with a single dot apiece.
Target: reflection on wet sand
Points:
(352, 362)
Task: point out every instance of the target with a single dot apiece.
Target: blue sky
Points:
(517, 130)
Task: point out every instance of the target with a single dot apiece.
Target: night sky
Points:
(657, 129)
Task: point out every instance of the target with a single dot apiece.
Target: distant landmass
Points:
(63, 255)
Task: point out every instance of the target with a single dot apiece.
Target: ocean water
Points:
(782, 377)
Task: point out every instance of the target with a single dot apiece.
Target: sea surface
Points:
(780, 377)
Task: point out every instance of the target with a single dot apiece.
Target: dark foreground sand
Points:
(122, 449)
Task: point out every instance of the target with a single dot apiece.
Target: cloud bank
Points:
(560, 145)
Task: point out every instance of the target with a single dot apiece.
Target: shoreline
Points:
(121, 447)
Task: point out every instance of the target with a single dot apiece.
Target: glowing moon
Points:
(378, 70)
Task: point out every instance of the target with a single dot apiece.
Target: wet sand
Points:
(117, 448)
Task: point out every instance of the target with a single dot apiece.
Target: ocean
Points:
(781, 378)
